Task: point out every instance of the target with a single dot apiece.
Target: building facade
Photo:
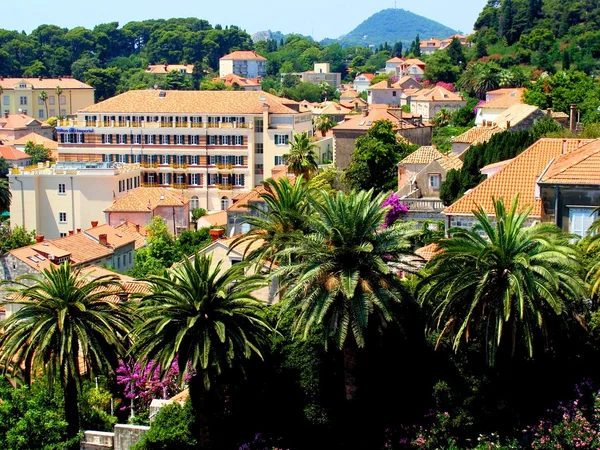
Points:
(247, 64)
(362, 82)
(211, 145)
(55, 200)
(22, 95)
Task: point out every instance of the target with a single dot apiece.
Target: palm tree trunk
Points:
(350, 351)
(200, 398)
(27, 371)
(71, 410)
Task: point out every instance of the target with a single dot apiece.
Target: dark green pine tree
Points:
(534, 12)
(456, 53)
(417, 50)
(397, 49)
(507, 15)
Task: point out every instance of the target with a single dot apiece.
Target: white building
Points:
(428, 102)
(362, 82)
(67, 196)
(391, 64)
(209, 145)
(247, 64)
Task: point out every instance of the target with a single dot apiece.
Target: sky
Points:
(319, 18)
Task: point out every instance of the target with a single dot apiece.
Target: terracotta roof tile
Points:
(166, 68)
(578, 167)
(145, 199)
(232, 78)
(515, 114)
(199, 102)
(476, 134)
(517, 178)
(45, 83)
(11, 153)
(37, 139)
(427, 252)
(244, 54)
(134, 230)
(514, 97)
(436, 93)
(350, 93)
(374, 113)
(395, 59)
(115, 238)
(422, 155)
(17, 121)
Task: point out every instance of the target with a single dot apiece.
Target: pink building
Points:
(16, 126)
(142, 204)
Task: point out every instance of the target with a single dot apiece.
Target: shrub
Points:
(171, 429)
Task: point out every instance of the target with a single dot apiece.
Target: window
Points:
(164, 139)
(62, 188)
(194, 160)
(164, 160)
(22, 100)
(63, 235)
(224, 203)
(258, 168)
(63, 99)
(281, 139)
(225, 140)
(280, 161)
(40, 101)
(62, 217)
(238, 140)
(258, 125)
(22, 85)
(107, 138)
(194, 202)
(63, 112)
(6, 100)
(194, 140)
(212, 160)
(238, 160)
(52, 113)
(238, 179)
(118, 262)
(51, 100)
(179, 139)
(41, 113)
(137, 139)
(258, 148)
(580, 220)
(130, 257)
(212, 140)
(434, 181)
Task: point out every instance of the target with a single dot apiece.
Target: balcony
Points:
(179, 165)
(147, 165)
(224, 187)
(423, 204)
(149, 184)
(224, 166)
(179, 185)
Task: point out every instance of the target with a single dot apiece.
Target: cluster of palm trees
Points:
(339, 271)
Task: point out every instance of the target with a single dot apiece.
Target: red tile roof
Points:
(579, 167)
(166, 68)
(12, 154)
(45, 83)
(517, 178)
(232, 78)
(513, 97)
(17, 121)
(146, 199)
(244, 54)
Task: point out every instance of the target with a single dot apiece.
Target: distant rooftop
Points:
(78, 168)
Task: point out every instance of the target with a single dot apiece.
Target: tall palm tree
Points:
(206, 320)
(282, 215)
(344, 278)
(58, 92)
(323, 124)
(593, 275)
(5, 195)
(69, 327)
(44, 98)
(502, 279)
(301, 159)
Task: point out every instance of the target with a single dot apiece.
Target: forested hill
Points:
(51, 51)
(542, 32)
(393, 25)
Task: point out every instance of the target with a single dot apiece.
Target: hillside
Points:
(393, 25)
(275, 35)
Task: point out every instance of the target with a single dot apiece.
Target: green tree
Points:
(172, 428)
(104, 81)
(17, 237)
(44, 98)
(5, 195)
(65, 317)
(503, 281)
(456, 53)
(440, 67)
(344, 280)
(301, 159)
(206, 320)
(38, 152)
(323, 124)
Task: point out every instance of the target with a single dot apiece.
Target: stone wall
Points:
(97, 440)
(128, 435)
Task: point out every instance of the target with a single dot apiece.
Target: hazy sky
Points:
(327, 18)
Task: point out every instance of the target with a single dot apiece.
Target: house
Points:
(244, 84)
(474, 136)
(134, 230)
(143, 203)
(570, 189)
(413, 67)
(430, 46)
(63, 197)
(362, 81)
(335, 111)
(321, 73)
(223, 251)
(407, 125)
(22, 96)
(16, 126)
(36, 139)
(217, 219)
(496, 103)
(387, 92)
(14, 157)
(208, 145)
(420, 176)
(162, 69)
(348, 95)
(391, 64)
(245, 63)
(428, 102)
(356, 104)
(520, 178)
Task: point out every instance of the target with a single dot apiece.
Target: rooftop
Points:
(18, 121)
(134, 230)
(232, 78)
(245, 55)
(505, 100)
(427, 154)
(370, 116)
(581, 167)
(515, 114)
(115, 238)
(12, 154)
(37, 139)
(436, 93)
(194, 102)
(44, 83)
(166, 68)
(146, 199)
(476, 135)
(519, 177)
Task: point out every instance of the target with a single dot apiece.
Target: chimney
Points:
(39, 239)
(6, 115)
(78, 230)
(71, 232)
(94, 223)
(389, 82)
(103, 239)
(508, 124)
(137, 227)
(40, 78)
(572, 119)
(549, 112)
(216, 233)
(366, 111)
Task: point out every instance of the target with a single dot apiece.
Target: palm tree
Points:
(593, 275)
(488, 79)
(323, 124)
(206, 320)
(344, 278)
(44, 98)
(5, 195)
(282, 215)
(503, 279)
(68, 325)
(442, 118)
(301, 159)
(58, 91)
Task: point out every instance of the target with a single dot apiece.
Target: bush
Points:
(171, 429)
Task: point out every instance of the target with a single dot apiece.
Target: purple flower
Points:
(397, 209)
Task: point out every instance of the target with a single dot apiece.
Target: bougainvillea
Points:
(448, 86)
(397, 209)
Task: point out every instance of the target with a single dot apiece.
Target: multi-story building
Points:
(320, 74)
(247, 64)
(16, 126)
(211, 145)
(22, 95)
(55, 200)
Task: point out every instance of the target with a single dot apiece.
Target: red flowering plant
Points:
(396, 211)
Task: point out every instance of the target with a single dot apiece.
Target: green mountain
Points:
(393, 25)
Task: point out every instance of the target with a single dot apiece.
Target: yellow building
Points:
(22, 95)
